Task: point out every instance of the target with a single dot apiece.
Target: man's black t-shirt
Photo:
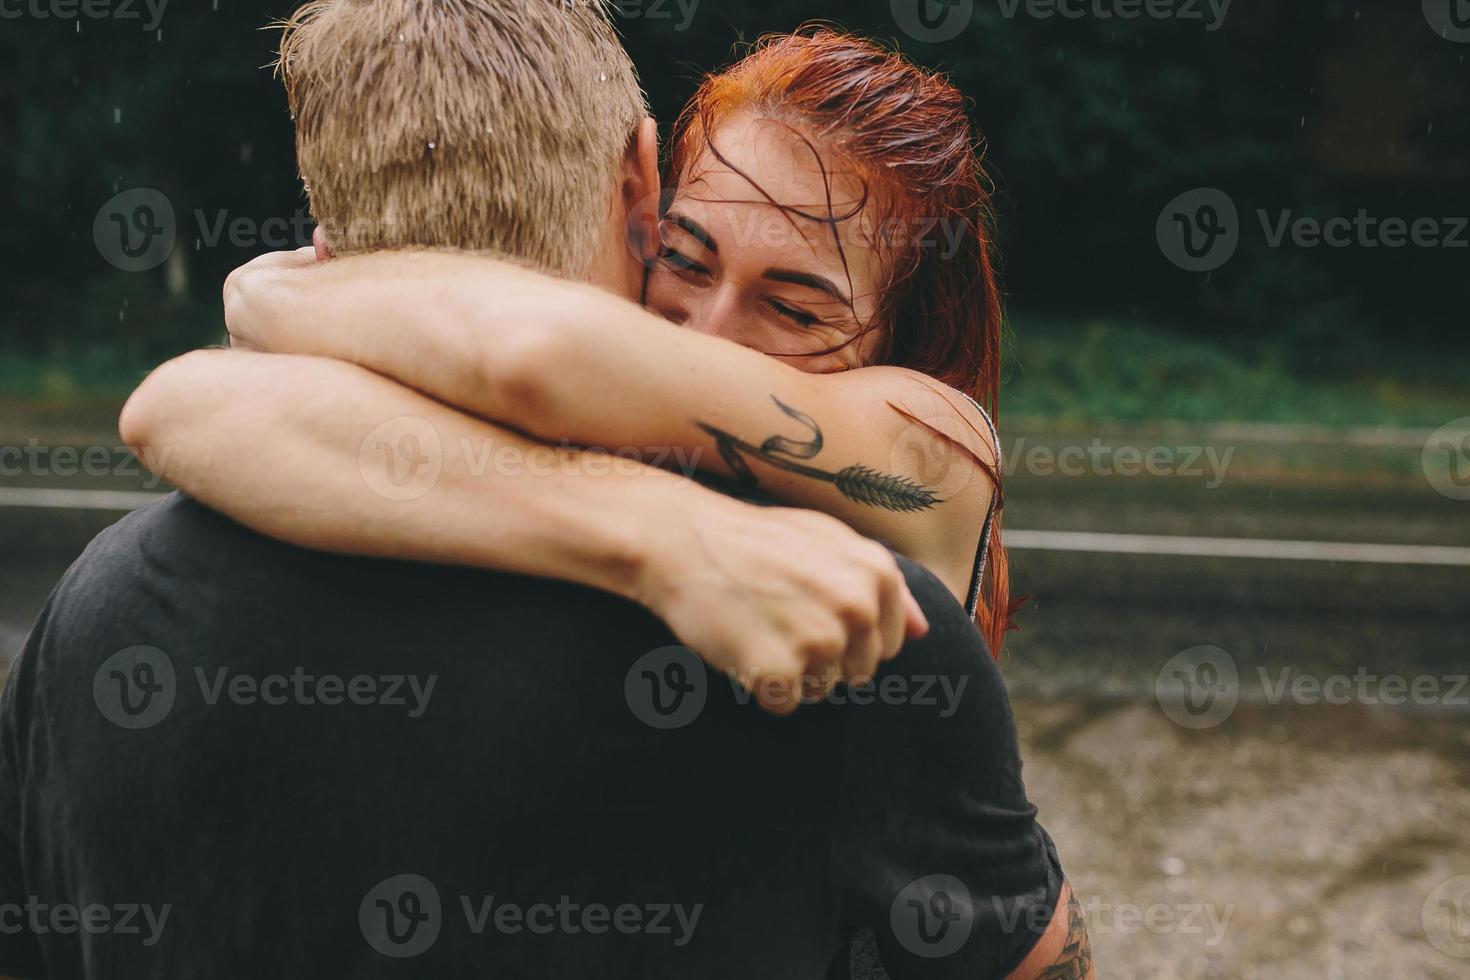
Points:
(227, 757)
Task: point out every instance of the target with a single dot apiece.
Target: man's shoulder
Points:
(172, 521)
(181, 540)
(953, 639)
(178, 552)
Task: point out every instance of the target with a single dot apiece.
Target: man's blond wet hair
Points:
(492, 125)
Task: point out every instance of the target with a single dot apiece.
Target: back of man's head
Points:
(490, 125)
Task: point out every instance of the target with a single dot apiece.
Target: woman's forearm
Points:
(556, 359)
(368, 467)
(473, 333)
(563, 361)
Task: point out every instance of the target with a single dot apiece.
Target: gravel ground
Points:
(1319, 842)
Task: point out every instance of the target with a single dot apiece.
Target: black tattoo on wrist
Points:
(861, 484)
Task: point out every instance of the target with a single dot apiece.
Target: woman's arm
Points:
(889, 452)
(329, 456)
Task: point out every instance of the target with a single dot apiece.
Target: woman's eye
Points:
(680, 262)
(805, 319)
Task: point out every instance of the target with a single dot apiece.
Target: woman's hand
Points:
(787, 602)
(254, 290)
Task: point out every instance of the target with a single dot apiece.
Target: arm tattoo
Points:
(1075, 962)
(857, 483)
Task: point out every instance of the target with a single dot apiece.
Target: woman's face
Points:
(735, 265)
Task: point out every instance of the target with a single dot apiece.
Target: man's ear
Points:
(642, 190)
(319, 240)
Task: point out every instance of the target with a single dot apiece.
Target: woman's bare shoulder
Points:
(925, 405)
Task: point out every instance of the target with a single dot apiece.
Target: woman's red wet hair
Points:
(906, 132)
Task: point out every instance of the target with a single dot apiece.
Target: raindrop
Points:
(160, 35)
(117, 114)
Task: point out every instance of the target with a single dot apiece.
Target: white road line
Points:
(42, 498)
(1157, 544)
(1078, 541)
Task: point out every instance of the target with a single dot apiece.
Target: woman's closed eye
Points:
(681, 263)
(799, 317)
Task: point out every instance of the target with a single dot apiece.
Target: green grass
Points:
(1056, 369)
(1107, 370)
(94, 373)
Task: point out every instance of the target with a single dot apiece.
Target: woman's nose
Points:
(711, 312)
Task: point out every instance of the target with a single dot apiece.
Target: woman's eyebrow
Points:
(695, 229)
(819, 283)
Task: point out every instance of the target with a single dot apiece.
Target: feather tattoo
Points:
(861, 484)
